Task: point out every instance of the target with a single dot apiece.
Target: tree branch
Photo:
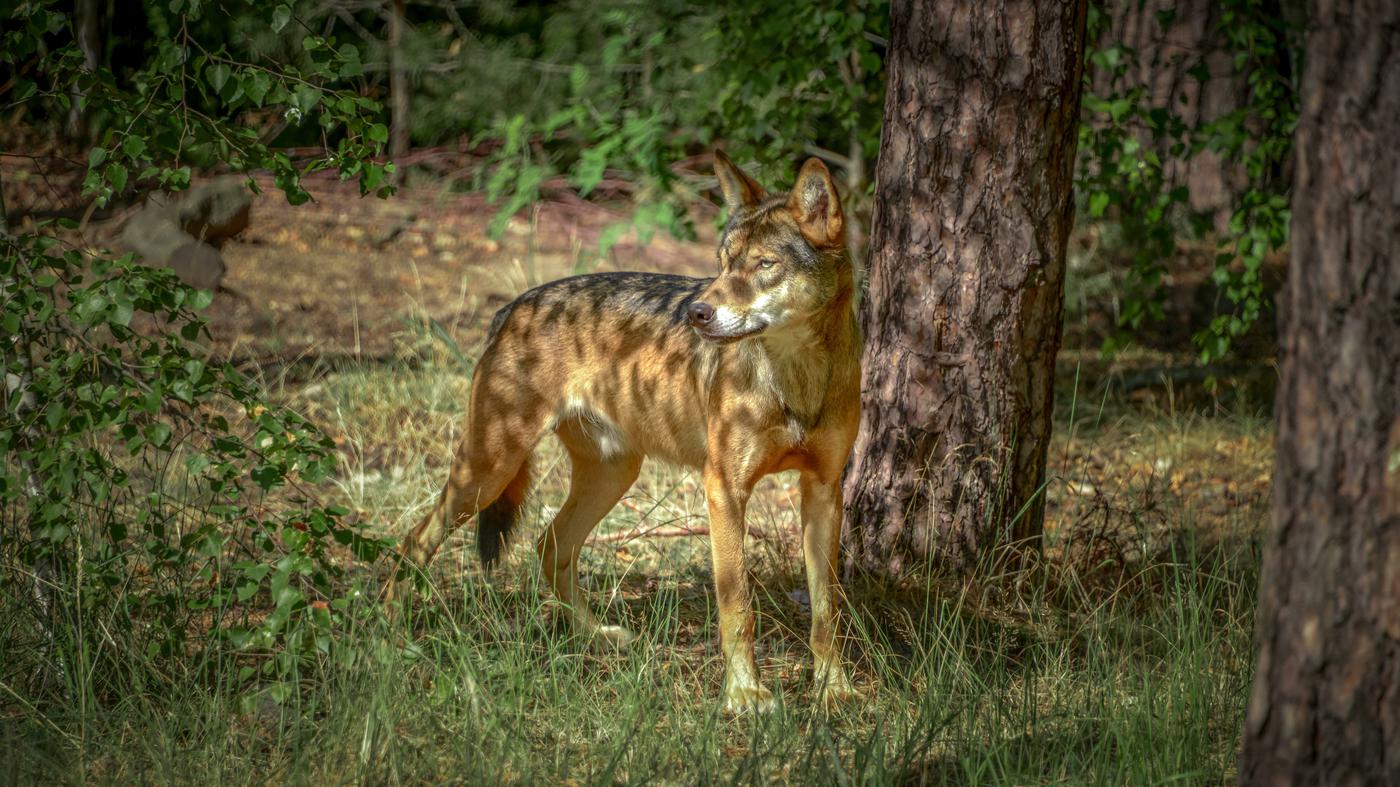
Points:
(829, 156)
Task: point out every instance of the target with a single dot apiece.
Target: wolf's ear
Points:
(816, 206)
(740, 190)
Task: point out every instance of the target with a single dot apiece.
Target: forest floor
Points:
(1122, 658)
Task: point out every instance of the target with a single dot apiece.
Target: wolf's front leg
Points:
(821, 548)
(727, 500)
(596, 486)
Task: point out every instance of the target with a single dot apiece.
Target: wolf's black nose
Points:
(701, 313)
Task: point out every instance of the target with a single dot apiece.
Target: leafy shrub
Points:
(666, 80)
(157, 512)
(177, 107)
(153, 499)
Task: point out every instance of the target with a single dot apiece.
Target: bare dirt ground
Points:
(352, 277)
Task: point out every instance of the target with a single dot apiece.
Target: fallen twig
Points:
(655, 532)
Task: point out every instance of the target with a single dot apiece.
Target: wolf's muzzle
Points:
(701, 314)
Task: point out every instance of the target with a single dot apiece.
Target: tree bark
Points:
(18, 397)
(972, 213)
(1325, 707)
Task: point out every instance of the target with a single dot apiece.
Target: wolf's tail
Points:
(495, 522)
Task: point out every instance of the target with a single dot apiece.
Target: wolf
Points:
(751, 372)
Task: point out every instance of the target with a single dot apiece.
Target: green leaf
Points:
(122, 312)
(256, 84)
(217, 75)
(280, 16)
(1098, 202)
(268, 477)
(588, 172)
(350, 65)
(116, 175)
(158, 433)
(378, 132)
(306, 97)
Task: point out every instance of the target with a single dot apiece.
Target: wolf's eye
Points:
(767, 262)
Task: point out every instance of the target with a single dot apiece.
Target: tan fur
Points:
(627, 366)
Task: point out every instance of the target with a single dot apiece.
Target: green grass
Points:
(1123, 658)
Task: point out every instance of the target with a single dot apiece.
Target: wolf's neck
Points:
(796, 370)
(799, 365)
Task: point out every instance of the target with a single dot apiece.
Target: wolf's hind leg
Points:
(598, 482)
(821, 549)
(476, 481)
(467, 492)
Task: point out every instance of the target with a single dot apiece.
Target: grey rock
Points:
(182, 232)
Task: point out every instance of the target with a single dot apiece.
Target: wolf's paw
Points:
(739, 700)
(834, 689)
(608, 638)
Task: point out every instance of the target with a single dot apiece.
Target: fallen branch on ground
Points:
(655, 532)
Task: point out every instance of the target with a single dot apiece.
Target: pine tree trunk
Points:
(973, 210)
(1325, 708)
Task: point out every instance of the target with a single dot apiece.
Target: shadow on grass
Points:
(1052, 756)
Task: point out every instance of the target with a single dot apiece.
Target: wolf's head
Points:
(782, 259)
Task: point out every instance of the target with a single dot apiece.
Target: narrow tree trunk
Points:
(1185, 65)
(852, 76)
(87, 24)
(973, 210)
(398, 87)
(1325, 708)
